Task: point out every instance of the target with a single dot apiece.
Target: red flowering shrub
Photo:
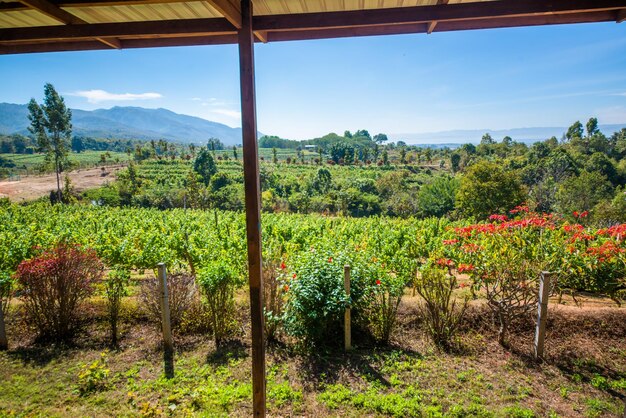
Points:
(54, 285)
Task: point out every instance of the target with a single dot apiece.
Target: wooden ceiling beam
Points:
(230, 10)
(22, 48)
(426, 14)
(55, 12)
(621, 16)
(116, 30)
(433, 24)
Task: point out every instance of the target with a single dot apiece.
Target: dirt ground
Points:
(34, 187)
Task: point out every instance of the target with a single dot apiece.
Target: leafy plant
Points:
(441, 311)
(115, 287)
(94, 377)
(217, 281)
(316, 298)
(381, 301)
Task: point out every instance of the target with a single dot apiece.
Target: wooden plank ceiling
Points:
(69, 25)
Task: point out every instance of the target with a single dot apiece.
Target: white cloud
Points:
(97, 96)
(235, 114)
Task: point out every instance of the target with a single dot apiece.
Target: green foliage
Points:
(94, 377)
(218, 280)
(115, 287)
(437, 198)
(486, 189)
(316, 299)
(204, 165)
(51, 125)
(381, 301)
(442, 312)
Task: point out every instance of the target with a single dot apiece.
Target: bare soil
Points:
(34, 187)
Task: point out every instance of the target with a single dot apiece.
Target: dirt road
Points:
(33, 187)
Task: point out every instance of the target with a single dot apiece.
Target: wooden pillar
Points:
(253, 204)
(542, 313)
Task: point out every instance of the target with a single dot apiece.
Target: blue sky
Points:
(490, 79)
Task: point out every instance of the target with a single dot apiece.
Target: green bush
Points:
(114, 288)
(382, 299)
(316, 298)
(218, 281)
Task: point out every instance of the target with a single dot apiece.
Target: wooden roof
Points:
(69, 25)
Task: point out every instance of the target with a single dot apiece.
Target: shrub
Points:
(217, 282)
(181, 290)
(55, 283)
(316, 299)
(114, 288)
(441, 311)
(381, 301)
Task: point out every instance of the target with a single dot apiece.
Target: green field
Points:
(27, 164)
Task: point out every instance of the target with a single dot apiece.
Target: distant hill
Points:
(128, 123)
(454, 138)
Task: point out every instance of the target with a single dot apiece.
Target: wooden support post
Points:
(168, 352)
(252, 190)
(542, 313)
(347, 332)
(4, 343)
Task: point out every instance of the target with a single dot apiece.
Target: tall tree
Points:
(205, 166)
(51, 123)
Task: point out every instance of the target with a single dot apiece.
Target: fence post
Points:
(168, 353)
(347, 338)
(542, 313)
(4, 343)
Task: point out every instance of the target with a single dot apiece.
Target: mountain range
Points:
(128, 123)
(141, 123)
(456, 137)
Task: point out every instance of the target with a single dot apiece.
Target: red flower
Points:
(575, 214)
(294, 276)
(500, 218)
(462, 285)
(450, 241)
(286, 288)
(330, 259)
(465, 267)
(584, 214)
(282, 265)
(377, 282)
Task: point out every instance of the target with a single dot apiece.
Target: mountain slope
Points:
(128, 123)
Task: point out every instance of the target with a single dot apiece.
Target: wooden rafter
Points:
(426, 14)
(180, 32)
(433, 24)
(55, 12)
(621, 16)
(230, 10)
(216, 26)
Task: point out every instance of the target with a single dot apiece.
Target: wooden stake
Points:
(4, 343)
(542, 313)
(252, 189)
(168, 352)
(347, 337)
